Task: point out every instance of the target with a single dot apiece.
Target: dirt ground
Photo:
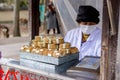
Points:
(6, 18)
(8, 15)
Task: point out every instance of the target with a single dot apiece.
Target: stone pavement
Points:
(10, 47)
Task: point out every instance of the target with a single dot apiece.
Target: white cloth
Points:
(92, 47)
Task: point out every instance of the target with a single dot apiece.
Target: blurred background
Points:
(7, 16)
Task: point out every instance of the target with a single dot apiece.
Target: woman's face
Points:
(87, 27)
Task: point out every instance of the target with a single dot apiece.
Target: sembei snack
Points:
(58, 40)
(37, 38)
(52, 46)
(65, 45)
(73, 50)
(49, 46)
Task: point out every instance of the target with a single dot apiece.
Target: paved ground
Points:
(10, 49)
(8, 15)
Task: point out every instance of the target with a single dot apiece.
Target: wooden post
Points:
(118, 51)
(109, 43)
(118, 57)
(105, 38)
(34, 21)
(111, 17)
(16, 19)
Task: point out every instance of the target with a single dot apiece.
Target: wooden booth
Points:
(110, 63)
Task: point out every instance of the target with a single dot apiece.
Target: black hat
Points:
(87, 14)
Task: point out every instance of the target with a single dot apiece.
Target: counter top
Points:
(12, 63)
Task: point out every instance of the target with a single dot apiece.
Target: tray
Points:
(48, 59)
(47, 67)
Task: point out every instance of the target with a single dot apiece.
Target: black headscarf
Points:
(87, 14)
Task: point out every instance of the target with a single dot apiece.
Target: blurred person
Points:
(51, 18)
(50, 2)
(4, 31)
(87, 37)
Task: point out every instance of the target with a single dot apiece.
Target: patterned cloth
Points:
(85, 37)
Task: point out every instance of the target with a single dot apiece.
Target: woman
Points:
(51, 18)
(87, 37)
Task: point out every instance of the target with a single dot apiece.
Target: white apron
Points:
(92, 47)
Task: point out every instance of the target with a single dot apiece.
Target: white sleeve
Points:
(98, 51)
(67, 37)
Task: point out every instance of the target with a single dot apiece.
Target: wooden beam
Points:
(113, 40)
(118, 58)
(118, 51)
(111, 17)
(109, 43)
(105, 43)
(34, 21)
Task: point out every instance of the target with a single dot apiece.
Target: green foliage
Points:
(10, 1)
(42, 2)
(6, 1)
(2, 1)
(23, 4)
